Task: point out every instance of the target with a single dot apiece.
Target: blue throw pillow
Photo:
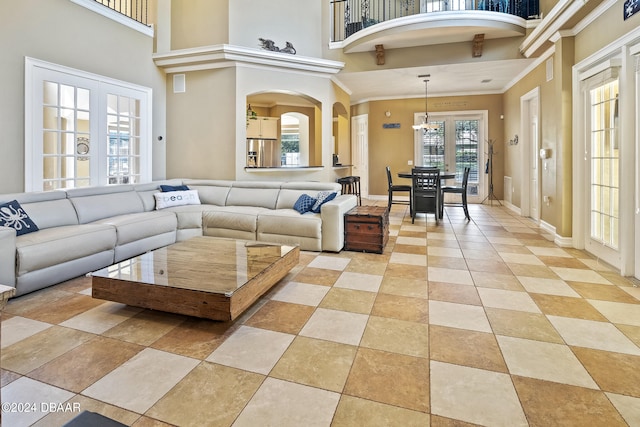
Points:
(323, 197)
(167, 188)
(304, 203)
(13, 215)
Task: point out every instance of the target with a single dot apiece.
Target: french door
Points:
(603, 170)
(456, 143)
(82, 129)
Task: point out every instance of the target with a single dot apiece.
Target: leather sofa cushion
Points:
(257, 196)
(57, 245)
(212, 194)
(232, 218)
(138, 226)
(99, 206)
(53, 213)
(290, 222)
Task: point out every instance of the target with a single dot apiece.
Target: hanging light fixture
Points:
(425, 125)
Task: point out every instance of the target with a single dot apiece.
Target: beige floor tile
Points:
(94, 359)
(447, 275)
(396, 336)
(475, 396)
(613, 372)
(317, 276)
(618, 312)
(281, 317)
(567, 307)
(406, 272)
(369, 267)
(547, 286)
(415, 241)
(64, 308)
(410, 249)
(596, 291)
(404, 287)
(549, 251)
(316, 363)
(629, 407)
(520, 324)
(551, 404)
(35, 301)
(489, 266)
(349, 300)
(401, 307)
(545, 361)
(592, 334)
(337, 326)
(33, 352)
(511, 258)
(330, 263)
(34, 394)
(551, 261)
(450, 292)
(580, 275)
(102, 318)
(411, 259)
(7, 377)
(446, 262)
(359, 281)
(18, 328)
(631, 332)
(252, 349)
(389, 378)
(533, 271)
(202, 397)
(301, 293)
(458, 316)
(509, 300)
(355, 412)
(140, 382)
(496, 281)
(196, 338)
(467, 348)
(286, 404)
(446, 252)
(145, 327)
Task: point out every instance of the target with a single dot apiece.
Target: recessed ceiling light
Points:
(486, 81)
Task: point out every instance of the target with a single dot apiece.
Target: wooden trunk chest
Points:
(366, 229)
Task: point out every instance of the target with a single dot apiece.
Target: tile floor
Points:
(480, 323)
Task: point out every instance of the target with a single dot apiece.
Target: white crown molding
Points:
(105, 11)
(224, 55)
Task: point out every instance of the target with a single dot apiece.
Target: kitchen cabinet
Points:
(263, 128)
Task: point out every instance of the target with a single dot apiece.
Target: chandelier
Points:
(425, 125)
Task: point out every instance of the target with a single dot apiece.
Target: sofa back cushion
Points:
(211, 192)
(95, 203)
(263, 194)
(45, 208)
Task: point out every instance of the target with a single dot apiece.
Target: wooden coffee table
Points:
(207, 277)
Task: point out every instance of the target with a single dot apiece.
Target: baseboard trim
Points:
(512, 207)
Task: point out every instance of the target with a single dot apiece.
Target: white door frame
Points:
(360, 151)
(528, 151)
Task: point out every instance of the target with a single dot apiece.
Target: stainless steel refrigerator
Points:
(263, 153)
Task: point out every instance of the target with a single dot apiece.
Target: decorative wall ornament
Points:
(379, 54)
(270, 45)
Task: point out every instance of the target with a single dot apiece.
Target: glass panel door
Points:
(123, 139)
(455, 143)
(604, 172)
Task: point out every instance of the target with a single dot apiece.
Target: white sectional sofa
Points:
(85, 229)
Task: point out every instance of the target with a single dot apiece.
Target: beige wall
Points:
(394, 147)
(199, 23)
(64, 33)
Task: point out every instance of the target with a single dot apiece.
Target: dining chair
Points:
(396, 189)
(462, 190)
(425, 192)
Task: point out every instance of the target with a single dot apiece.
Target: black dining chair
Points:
(396, 189)
(462, 190)
(425, 192)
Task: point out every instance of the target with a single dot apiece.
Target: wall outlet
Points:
(410, 162)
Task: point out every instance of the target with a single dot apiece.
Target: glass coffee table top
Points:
(209, 264)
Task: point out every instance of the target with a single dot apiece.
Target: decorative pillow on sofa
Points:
(304, 203)
(167, 188)
(176, 198)
(322, 198)
(13, 215)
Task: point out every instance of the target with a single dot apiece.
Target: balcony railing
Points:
(351, 16)
(134, 9)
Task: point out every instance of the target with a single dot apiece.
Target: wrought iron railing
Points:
(351, 16)
(137, 10)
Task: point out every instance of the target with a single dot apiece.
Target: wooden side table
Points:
(366, 229)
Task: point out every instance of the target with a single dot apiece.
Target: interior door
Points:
(360, 151)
